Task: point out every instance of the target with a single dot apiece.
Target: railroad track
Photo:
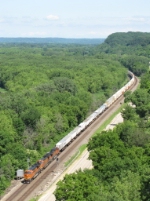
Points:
(24, 192)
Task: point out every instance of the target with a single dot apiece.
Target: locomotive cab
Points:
(28, 175)
(32, 172)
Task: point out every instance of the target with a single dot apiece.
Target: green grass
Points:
(76, 155)
(71, 159)
(82, 148)
(35, 199)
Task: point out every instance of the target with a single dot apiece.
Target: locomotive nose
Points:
(26, 176)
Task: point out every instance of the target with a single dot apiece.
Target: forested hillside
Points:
(45, 91)
(132, 49)
(120, 157)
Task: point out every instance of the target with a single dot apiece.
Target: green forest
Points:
(48, 89)
(121, 158)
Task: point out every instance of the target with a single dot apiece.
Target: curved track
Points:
(24, 192)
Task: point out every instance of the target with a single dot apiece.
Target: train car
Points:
(119, 93)
(82, 126)
(64, 142)
(93, 116)
(103, 107)
(132, 81)
(44, 161)
(126, 86)
(97, 112)
(54, 153)
(47, 158)
(86, 122)
(110, 101)
(75, 132)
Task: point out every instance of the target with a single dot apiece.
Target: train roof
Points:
(48, 153)
(52, 151)
(34, 166)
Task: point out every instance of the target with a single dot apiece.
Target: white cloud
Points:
(52, 17)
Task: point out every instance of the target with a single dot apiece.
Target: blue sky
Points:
(72, 18)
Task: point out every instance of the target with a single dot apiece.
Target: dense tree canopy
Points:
(81, 186)
(121, 157)
(47, 90)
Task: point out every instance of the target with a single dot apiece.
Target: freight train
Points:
(42, 163)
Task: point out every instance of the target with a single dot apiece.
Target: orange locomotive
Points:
(36, 169)
(32, 172)
(48, 158)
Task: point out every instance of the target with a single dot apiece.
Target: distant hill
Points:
(129, 43)
(131, 48)
(128, 39)
(53, 40)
